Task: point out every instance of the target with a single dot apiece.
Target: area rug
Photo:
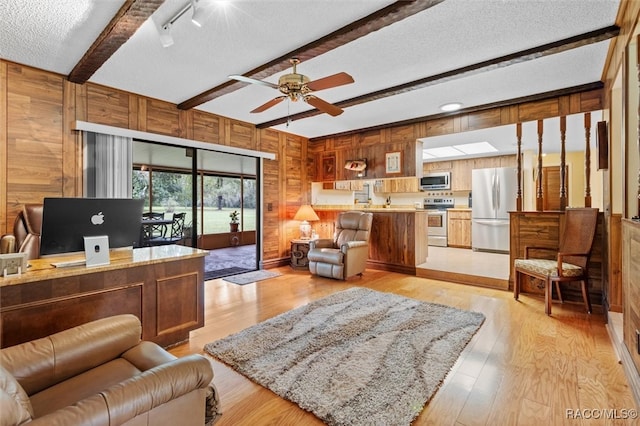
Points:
(210, 275)
(355, 357)
(251, 277)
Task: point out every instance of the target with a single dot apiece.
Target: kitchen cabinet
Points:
(461, 175)
(459, 228)
(406, 185)
(461, 169)
(348, 185)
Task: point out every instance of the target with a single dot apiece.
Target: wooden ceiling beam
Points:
(492, 64)
(386, 16)
(123, 25)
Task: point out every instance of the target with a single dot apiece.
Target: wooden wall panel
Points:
(108, 106)
(270, 141)
(241, 135)
(34, 138)
(4, 225)
(485, 119)
(539, 110)
(163, 118)
(206, 127)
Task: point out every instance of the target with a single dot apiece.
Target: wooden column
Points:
(587, 160)
(539, 205)
(519, 159)
(638, 70)
(563, 163)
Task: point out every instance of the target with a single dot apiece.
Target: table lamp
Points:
(305, 213)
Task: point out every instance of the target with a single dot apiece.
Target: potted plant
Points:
(234, 215)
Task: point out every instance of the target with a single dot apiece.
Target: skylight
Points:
(458, 150)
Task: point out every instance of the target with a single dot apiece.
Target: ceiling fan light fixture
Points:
(451, 106)
(196, 18)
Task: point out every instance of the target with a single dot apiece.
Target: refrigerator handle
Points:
(497, 191)
(493, 191)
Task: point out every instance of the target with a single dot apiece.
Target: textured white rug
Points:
(355, 357)
(251, 277)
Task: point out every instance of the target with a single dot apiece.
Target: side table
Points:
(299, 250)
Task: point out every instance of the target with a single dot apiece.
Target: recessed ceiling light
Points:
(444, 151)
(453, 106)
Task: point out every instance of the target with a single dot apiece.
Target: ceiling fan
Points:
(298, 87)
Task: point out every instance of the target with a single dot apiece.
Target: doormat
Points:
(251, 277)
(210, 275)
(357, 357)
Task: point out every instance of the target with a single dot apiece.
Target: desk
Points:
(299, 251)
(163, 286)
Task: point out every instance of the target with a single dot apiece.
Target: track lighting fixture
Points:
(165, 29)
(196, 18)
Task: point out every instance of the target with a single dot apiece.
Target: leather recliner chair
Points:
(346, 254)
(26, 233)
(100, 373)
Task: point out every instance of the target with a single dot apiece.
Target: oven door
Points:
(437, 228)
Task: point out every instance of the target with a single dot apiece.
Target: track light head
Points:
(196, 18)
(165, 35)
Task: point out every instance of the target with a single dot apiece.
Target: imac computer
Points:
(67, 221)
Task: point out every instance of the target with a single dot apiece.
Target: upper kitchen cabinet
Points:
(461, 169)
(398, 185)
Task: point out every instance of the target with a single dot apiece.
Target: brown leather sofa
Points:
(100, 373)
(346, 254)
(26, 233)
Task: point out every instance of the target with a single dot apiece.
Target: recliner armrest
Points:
(7, 244)
(138, 395)
(320, 243)
(352, 244)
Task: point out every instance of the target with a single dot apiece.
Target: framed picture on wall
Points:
(393, 162)
(329, 168)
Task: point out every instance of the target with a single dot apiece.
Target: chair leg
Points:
(547, 297)
(516, 284)
(559, 292)
(585, 295)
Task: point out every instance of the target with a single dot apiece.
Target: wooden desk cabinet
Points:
(163, 286)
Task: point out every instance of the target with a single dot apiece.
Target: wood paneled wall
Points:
(41, 156)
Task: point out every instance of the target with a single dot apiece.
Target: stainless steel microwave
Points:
(437, 180)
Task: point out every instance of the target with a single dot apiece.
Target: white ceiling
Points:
(239, 35)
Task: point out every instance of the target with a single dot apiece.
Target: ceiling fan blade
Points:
(328, 82)
(253, 81)
(323, 106)
(267, 105)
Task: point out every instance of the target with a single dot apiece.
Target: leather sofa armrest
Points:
(320, 243)
(147, 355)
(137, 395)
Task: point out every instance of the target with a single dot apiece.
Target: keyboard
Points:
(69, 263)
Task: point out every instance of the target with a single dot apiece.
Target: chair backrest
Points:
(352, 226)
(579, 231)
(27, 228)
(152, 215)
(177, 226)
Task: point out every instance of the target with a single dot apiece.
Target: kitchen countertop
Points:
(373, 208)
(460, 209)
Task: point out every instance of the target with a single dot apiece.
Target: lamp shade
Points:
(306, 212)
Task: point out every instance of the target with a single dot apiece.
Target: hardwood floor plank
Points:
(521, 368)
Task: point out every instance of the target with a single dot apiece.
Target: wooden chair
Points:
(571, 259)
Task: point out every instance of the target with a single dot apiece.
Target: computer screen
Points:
(66, 221)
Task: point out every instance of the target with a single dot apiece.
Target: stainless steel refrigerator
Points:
(494, 196)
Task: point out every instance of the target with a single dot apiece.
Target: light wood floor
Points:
(521, 368)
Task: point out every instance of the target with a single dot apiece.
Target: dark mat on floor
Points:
(210, 275)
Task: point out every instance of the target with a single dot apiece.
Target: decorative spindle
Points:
(539, 204)
(587, 159)
(563, 164)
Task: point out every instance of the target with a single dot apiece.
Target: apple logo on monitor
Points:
(97, 219)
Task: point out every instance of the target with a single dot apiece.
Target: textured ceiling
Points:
(239, 35)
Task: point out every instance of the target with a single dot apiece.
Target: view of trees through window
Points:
(170, 191)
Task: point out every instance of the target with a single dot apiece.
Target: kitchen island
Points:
(398, 240)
